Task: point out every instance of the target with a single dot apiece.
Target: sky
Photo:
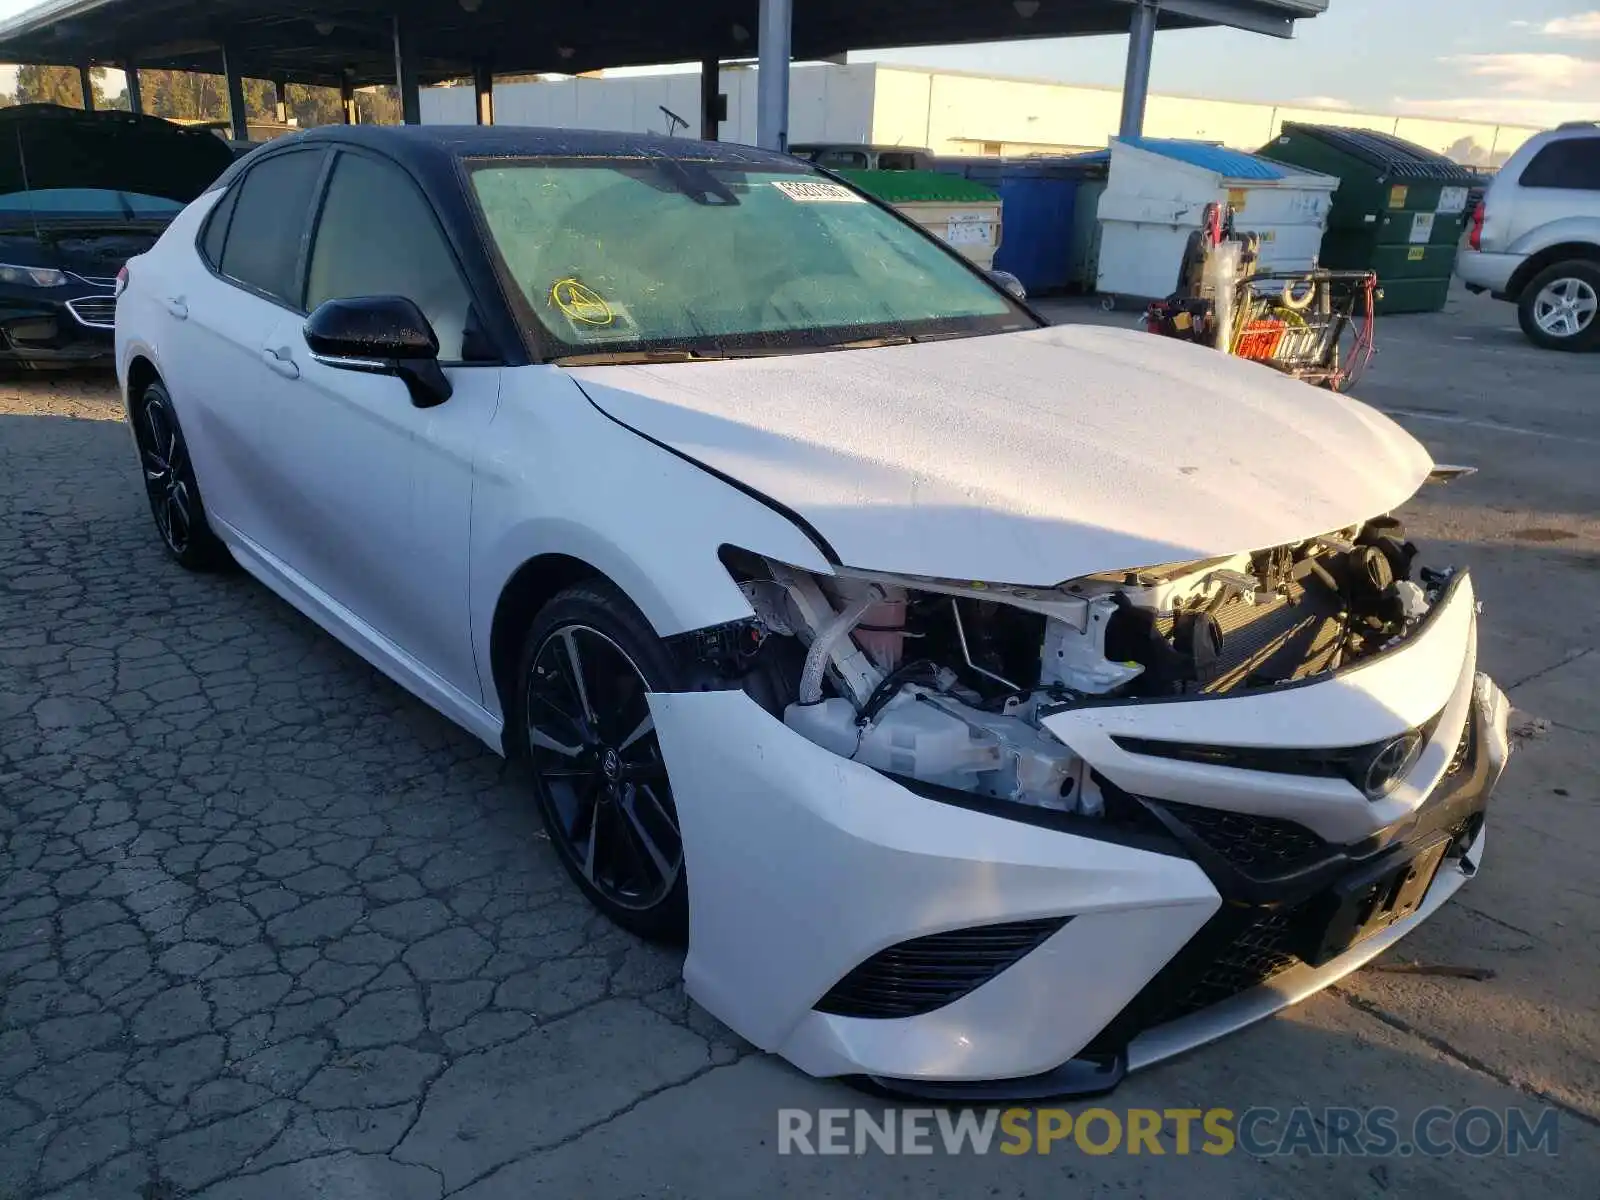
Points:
(1525, 62)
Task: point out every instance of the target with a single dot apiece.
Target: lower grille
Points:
(1258, 951)
(97, 312)
(1251, 843)
(1238, 949)
(1241, 947)
(926, 973)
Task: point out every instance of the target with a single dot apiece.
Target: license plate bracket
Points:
(1370, 901)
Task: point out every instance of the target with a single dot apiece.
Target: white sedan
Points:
(995, 708)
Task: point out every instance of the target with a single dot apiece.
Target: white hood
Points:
(1027, 458)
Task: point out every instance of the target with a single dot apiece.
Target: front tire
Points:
(582, 720)
(1560, 309)
(170, 484)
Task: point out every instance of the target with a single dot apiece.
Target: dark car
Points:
(80, 194)
(858, 157)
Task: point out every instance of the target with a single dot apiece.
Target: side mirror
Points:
(1011, 284)
(381, 335)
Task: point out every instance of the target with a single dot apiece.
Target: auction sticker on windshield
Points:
(812, 191)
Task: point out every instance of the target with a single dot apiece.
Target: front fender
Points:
(556, 476)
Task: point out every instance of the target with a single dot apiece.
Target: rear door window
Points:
(216, 232)
(269, 224)
(1572, 164)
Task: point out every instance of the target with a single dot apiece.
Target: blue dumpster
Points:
(1038, 197)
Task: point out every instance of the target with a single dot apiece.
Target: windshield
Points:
(88, 204)
(612, 255)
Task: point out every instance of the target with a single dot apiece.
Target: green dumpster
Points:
(963, 213)
(1400, 209)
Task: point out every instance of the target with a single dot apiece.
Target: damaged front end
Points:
(981, 840)
(949, 683)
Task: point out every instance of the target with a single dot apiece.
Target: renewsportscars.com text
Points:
(1355, 1132)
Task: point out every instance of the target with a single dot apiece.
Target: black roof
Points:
(506, 141)
(430, 151)
(325, 41)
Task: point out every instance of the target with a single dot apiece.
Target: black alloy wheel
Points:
(601, 782)
(170, 484)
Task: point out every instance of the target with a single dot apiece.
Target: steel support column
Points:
(483, 89)
(130, 70)
(712, 107)
(347, 99)
(1136, 84)
(86, 83)
(238, 122)
(772, 81)
(405, 74)
(280, 94)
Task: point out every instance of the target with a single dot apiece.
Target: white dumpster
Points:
(1156, 196)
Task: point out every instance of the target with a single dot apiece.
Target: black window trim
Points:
(318, 190)
(229, 201)
(315, 227)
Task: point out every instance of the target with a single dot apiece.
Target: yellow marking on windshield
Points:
(580, 303)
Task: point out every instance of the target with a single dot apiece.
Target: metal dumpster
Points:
(1040, 197)
(962, 212)
(1157, 197)
(1400, 209)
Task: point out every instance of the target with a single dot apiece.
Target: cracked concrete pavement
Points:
(271, 929)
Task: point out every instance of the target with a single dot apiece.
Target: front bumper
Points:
(75, 329)
(809, 871)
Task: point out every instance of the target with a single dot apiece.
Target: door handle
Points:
(281, 362)
(178, 307)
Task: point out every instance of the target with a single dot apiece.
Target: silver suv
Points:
(1536, 238)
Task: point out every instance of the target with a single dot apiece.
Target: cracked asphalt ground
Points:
(270, 928)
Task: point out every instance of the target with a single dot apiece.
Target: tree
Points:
(58, 85)
(311, 106)
(379, 105)
(191, 96)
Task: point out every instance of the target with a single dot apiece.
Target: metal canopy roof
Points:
(309, 42)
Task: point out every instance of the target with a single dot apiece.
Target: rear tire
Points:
(581, 718)
(1560, 309)
(170, 485)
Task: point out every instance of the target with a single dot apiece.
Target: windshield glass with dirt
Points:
(619, 255)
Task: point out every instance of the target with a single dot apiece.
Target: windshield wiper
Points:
(618, 358)
(898, 339)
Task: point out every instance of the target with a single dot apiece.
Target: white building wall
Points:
(826, 103)
(949, 112)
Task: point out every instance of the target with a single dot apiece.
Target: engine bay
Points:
(944, 682)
